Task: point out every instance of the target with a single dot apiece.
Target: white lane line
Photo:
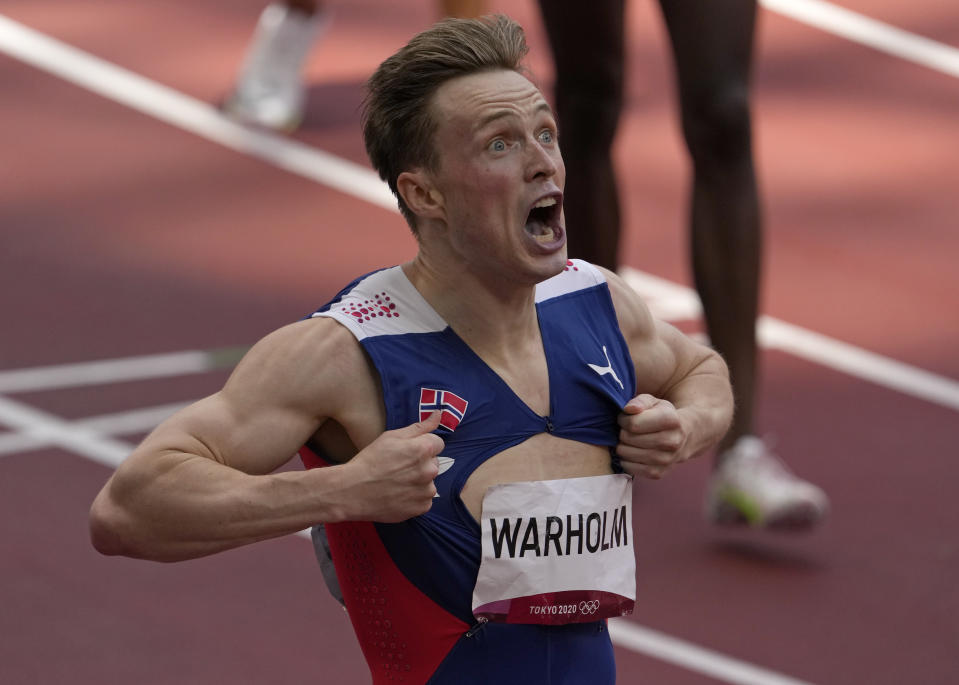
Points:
(676, 302)
(11, 443)
(189, 114)
(667, 300)
(82, 437)
(103, 372)
(860, 363)
(632, 635)
(132, 421)
(51, 430)
(119, 423)
(861, 29)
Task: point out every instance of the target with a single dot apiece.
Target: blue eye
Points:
(497, 146)
(546, 136)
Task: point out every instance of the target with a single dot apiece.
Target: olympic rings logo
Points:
(589, 607)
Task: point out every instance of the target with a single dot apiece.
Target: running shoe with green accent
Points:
(751, 486)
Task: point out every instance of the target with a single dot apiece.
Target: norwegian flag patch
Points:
(452, 406)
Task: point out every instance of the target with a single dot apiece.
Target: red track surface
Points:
(122, 236)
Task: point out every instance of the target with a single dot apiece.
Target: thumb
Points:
(427, 425)
(640, 403)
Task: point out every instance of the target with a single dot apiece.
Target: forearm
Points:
(704, 402)
(179, 506)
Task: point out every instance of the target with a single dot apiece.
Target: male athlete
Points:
(475, 415)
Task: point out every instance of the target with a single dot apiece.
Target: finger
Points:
(433, 445)
(427, 425)
(663, 418)
(640, 403)
(641, 421)
(432, 467)
(654, 472)
(642, 456)
(651, 472)
(663, 440)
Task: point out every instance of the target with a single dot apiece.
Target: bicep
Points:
(197, 455)
(669, 356)
(280, 393)
(662, 354)
(252, 437)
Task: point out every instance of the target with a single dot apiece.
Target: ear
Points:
(417, 190)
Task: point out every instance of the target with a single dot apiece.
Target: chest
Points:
(526, 377)
(540, 457)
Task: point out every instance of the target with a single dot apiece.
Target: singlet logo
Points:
(452, 406)
(445, 464)
(603, 370)
(365, 310)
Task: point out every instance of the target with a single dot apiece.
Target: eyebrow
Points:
(502, 113)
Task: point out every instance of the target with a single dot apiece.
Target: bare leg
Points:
(713, 48)
(308, 7)
(587, 44)
(713, 45)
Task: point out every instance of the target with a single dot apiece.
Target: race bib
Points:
(557, 551)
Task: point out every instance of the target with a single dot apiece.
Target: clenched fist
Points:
(393, 476)
(652, 437)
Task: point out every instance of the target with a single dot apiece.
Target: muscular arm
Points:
(683, 402)
(202, 483)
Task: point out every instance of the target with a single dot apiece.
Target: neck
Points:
(496, 319)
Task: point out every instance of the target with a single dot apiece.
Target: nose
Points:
(543, 162)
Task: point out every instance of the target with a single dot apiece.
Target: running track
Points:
(124, 237)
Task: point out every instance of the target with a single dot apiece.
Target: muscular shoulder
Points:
(312, 366)
(635, 320)
(660, 352)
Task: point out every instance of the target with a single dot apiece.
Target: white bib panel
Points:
(557, 551)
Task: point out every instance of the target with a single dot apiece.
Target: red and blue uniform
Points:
(408, 586)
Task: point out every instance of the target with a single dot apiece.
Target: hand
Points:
(651, 437)
(395, 473)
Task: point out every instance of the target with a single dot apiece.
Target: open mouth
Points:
(542, 222)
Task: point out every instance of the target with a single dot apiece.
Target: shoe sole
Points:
(237, 113)
(797, 518)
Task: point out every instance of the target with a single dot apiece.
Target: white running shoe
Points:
(269, 89)
(752, 486)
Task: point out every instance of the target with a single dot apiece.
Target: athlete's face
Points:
(500, 175)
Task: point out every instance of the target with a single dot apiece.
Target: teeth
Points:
(545, 237)
(536, 225)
